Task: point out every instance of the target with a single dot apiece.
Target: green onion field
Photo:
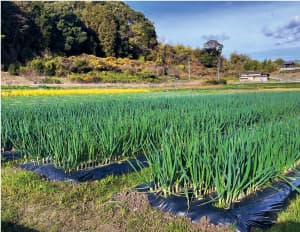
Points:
(231, 144)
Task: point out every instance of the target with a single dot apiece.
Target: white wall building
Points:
(254, 77)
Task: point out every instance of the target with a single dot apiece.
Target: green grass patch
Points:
(289, 219)
(31, 203)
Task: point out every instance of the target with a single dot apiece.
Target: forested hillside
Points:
(101, 41)
(71, 28)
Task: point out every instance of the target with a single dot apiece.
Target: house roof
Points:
(288, 63)
(251, 72)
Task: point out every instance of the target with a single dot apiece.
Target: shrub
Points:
(146, 75)
(37, 65)
(61, 71)
(142, 59)
(60, 67)
(217, 82)
(49, 68)
(80, 66)
(13, 69)
(181, 67)
(52, 80)
(90, 77)
(25, 71)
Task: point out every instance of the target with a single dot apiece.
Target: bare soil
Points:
(137, 202)
(35, 81)
(7, 79)
(286, 77)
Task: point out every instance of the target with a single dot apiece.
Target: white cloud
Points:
(288, 33)
(218, 37)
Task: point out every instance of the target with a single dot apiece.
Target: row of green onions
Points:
(222, 167)
(195, 144)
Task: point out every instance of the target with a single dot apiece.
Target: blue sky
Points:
(258, 29)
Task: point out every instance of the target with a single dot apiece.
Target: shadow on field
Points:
(12, 227)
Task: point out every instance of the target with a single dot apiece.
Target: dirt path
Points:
(35, 81)
(286, 77)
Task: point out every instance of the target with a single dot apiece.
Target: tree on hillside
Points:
(121, 31)
(238, 59)
(71, 28)
(252, 65)
(62, 31)
(279, 62)
(214, 48)
(20, 36)
(204, 58)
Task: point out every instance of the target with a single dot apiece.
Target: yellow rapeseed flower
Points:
(40, 92)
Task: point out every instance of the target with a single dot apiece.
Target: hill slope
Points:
(70, 28)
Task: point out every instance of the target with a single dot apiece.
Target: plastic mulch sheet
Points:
(257, 210)
(58, 174)
(9, 156)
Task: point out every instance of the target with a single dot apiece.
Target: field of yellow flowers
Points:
(41, 92)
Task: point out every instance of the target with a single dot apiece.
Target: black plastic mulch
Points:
(9, 156)
(257, 210)
(58, 174)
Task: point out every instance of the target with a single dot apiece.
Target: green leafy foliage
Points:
(204, 57)
(242, 63)
(70, 28)
(49, 68)
(17, 29)
(52, 80)
(105, 29)
(13, 69)
(228, 144)
(89, 68)
(121, 31)
(37, 65)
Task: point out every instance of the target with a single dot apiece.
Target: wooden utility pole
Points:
(189, 69)
(219, 64)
